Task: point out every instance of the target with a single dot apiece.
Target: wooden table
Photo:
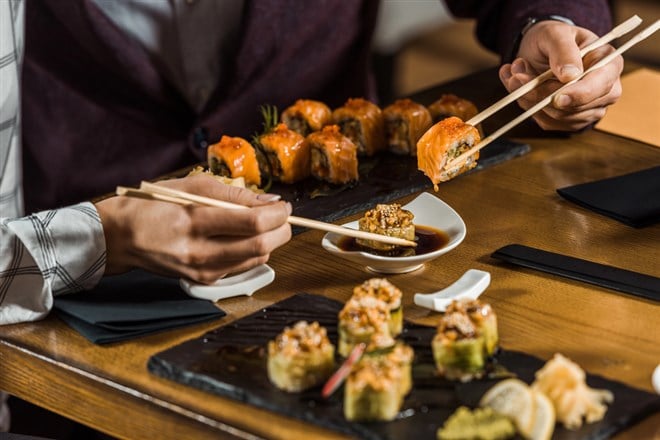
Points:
(607, 333)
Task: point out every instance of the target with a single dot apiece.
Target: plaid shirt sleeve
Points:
(50, 252)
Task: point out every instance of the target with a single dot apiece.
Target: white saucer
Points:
(245, 283)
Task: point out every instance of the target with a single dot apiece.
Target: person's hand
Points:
(556, 45)
(196, 242)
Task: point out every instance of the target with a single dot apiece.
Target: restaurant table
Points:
(607, 333)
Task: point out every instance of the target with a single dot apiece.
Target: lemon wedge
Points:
(514, 399)
(544, 417)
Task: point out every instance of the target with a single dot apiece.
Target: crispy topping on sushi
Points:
(300, 357)
(443, 142)
(306, 116)
(287, 152)
(333, 156)
(389, 220)
(364, 319)
(405, 122)
(377, 385)
(235, 157)
(385, 291)
(362, 122)
(465, 341)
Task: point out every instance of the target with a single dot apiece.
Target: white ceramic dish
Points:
(429, 211)
(245, 283)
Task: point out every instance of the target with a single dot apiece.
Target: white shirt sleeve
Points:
(46, 254)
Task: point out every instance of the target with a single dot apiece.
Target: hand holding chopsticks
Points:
(162, 193)
(455, 163)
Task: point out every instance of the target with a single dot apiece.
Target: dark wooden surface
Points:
(608, 334)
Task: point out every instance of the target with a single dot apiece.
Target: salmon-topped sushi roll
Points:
(362, 122)
(306, 116)
(405, 122)
(443, 142)
(287, 153)
(451, 105)
(333, 156)
(235, 157)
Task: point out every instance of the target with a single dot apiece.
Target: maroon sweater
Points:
(97, 112)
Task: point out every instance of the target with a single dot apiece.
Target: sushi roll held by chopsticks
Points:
(444, 141)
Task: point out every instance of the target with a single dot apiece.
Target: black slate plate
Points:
(230, 361)
(383, 178)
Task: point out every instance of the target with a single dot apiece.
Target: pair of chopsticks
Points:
(151, 191)
(617, 32)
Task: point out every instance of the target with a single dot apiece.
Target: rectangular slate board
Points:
(383, 178)
(230, 361)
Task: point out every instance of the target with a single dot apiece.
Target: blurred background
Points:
(418, 44)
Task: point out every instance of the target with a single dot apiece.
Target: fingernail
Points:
(570, 71)
(289, 208)
(269, 197)
(518, 66)
(562, 101)
(506, 74)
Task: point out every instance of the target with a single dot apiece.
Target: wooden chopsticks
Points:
(617, 32)
(157, 192)
(455, 163)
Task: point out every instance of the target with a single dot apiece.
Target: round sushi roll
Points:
(443, 142)
(466, 339)
(362, 122)
(300, 357)
(306, 116)
(364, 319)
(287, 153)
(376, 387)
(451, 105)
(235, 157)
(405, 122)
(390, 220)
(387, 292)
(333, 156)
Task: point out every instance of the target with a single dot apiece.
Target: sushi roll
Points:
(333, 156)
(362, 122)
(484, 319)
(235, 157)
(443, 142)
(287, 153)
(464, 342)
(300, 357)
(386, 219)
(451, 105)
(306, 116)
(405, 122)
(377, 385)
(364, 319)
(387, 292)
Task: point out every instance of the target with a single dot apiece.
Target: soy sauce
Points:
(428, 240)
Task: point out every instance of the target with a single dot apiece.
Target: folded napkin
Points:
(130, 305)
(633, 199)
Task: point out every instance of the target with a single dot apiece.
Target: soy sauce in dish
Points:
(428, 240)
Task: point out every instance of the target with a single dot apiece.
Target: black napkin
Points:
(633, 199)
(130, 305)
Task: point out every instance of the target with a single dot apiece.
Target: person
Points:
(114, 92)
(110, 96)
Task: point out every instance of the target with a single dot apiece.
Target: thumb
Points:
(564, 57)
